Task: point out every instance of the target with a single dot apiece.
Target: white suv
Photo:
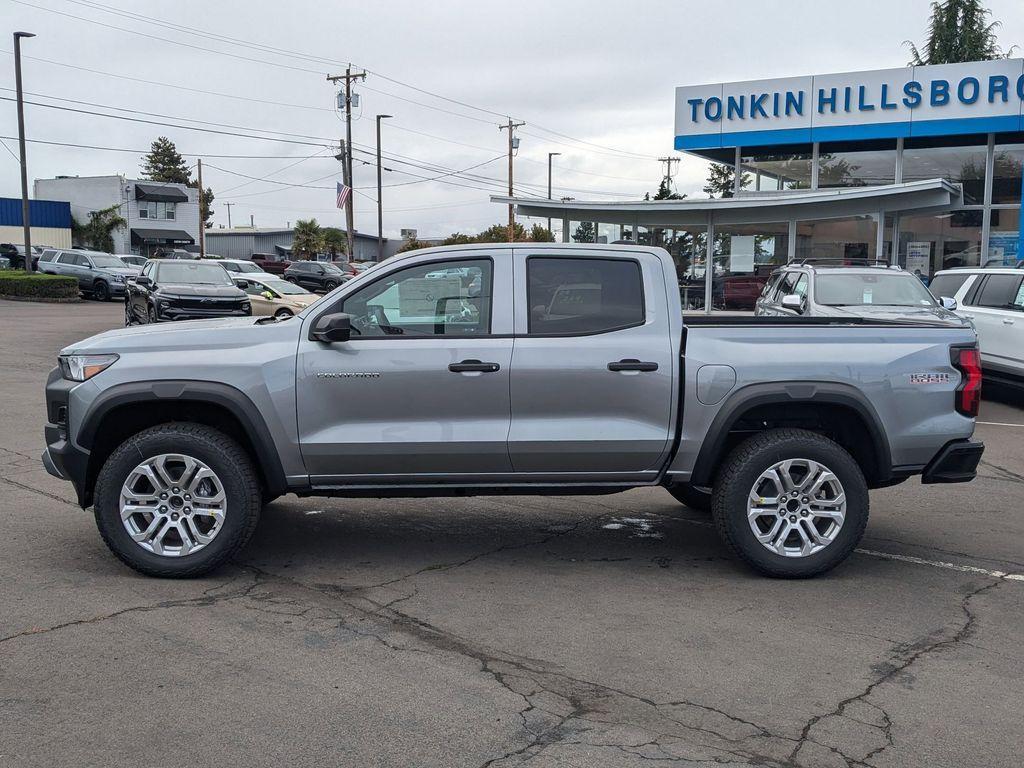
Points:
(993, 299)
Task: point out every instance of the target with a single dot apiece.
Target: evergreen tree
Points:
(165, 163)
(665, 192)
(541, 234)
(585, 233)
(722, 179)
(958, 31)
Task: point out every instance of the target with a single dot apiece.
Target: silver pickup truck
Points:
(535, 368)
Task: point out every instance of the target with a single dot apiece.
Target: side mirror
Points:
(243, 284)
(143, 280)
(794, 302)
(331, 328)
(948, 303)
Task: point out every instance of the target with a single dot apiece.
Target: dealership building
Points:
(917, 166)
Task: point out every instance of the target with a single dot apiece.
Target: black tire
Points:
(101, 291)
(737, 477)
(330, 285)
(129, 321)
(695, 497)
(282, 313)
(223, 455)
(151, 314)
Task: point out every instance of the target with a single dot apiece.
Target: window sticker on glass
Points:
(867, 296)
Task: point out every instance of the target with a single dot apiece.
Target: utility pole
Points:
(202, 221)
(550, 155)
(228, 206)
(513, 144)
(380, 197)
(348, 77)
(668, 171)
(25, 218)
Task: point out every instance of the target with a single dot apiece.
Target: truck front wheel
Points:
(790, 503)
(177, 500)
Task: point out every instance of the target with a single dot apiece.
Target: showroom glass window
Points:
(856, 164)
(946, 240)
(745, 255)
(776, 168)
(451, 298)
(958, 159)
(837, 240)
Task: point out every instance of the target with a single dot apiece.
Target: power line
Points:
(145, 151)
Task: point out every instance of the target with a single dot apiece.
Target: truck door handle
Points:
(469, 366)
(632, 364)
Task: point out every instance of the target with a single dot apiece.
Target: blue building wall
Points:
(42, 213)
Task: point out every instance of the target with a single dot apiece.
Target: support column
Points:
(791, 245)
(709, 265)
(879, 234)
(565, 229)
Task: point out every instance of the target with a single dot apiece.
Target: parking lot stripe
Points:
(940, 564)
(998, 424)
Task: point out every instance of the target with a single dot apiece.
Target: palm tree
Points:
(959, 31)
(308, 238)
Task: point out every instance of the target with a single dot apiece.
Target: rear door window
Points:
(947, 285)
(578, 296)
(1000, 292)
(48, 255)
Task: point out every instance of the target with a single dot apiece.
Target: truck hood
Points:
(188, 290)
(226, 331)
(896, 313)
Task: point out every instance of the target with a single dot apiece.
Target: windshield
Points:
(284, 287)
(106, 261)
(887, 289)
(195, 273)
(245, 266)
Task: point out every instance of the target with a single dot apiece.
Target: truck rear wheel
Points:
(177, 500)
(695, 497)
(790, 503)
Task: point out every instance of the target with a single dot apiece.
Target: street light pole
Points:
(550, 155)
(25, 220)
(380, 198)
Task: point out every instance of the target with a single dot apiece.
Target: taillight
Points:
(967, 360)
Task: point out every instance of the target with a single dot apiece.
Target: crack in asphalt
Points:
(47, 494)
(1007, 474)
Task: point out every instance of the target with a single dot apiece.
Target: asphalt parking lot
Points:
(608, 631)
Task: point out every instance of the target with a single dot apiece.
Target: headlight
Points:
(118, 278)
(83, 367)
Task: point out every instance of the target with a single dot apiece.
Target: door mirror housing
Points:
(948, 303)
(243, 284)
(330, 328)
(794, 302)
(143, 280)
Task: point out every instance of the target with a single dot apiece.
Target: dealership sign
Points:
(977, 97)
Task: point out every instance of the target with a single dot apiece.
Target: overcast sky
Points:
(599, 73)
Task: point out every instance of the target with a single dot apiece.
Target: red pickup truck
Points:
(269, 263)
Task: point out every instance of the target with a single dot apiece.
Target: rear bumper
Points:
(957, 462)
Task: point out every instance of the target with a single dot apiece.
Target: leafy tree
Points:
(457, 238)
(165, 163)
(585, 233)
(335, 240)
(541, 234)
(722, 180)
(959, 30)
(308, 239)
(499, 234)
(665, 192)
(413, 245)
(98, 232)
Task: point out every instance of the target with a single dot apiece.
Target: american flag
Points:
(343, 194)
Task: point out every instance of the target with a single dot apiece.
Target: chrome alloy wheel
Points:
(796, 507)
(173, 505)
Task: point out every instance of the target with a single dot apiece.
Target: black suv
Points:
(316, 275)
(183, 290)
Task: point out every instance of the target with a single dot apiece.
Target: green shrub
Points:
(16, 283)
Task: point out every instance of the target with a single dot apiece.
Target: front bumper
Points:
(62, 458)
(171, 314)
(957, 462)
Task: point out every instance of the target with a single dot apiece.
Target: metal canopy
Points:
(159, 193)
(749, 207)
(161, 236)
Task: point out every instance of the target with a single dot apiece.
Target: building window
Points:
(1007, 162)
(1004, 246)
(959, 159)
(940, 241)
(856, 164)
(775, 168)
(153, 209)
(837, 240)
(744, 257)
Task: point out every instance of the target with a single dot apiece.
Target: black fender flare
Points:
(789, 393)
(223, 395)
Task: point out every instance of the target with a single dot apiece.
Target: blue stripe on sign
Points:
(947, 127)
(965, 125)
